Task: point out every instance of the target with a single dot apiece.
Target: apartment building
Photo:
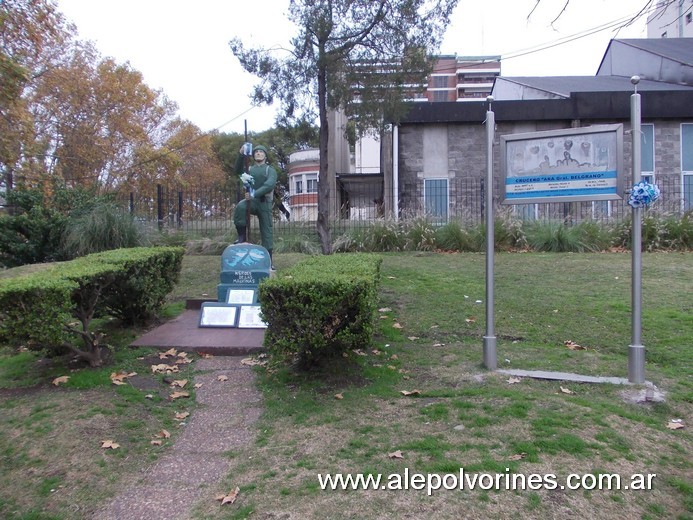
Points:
(671, 19)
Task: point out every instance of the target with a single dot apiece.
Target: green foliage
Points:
(46, 309)
(659, 232)
(453, 237)
(320, 307)
(61, 225)
(102, 227)
(34, 233)
(556, 237)
(34, 310)
(147, 276)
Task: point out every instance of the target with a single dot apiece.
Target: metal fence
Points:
(209, 212)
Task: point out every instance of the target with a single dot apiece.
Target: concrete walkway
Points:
(188, 473)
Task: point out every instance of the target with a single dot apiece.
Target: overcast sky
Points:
(181, 47)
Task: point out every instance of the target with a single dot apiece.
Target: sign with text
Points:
(576, 164)
(214, 314)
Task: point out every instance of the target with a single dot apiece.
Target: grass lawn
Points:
(352, 417)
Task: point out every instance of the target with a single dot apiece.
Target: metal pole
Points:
(636, 351)
(247, 170)
(490, 357)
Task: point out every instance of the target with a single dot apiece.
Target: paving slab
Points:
(196, 463)
(567, 376)
(184, 334)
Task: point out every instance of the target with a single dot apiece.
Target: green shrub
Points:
(34, 233)
(320, 307)
(47, 309)
(555, 237)
(101, 228)
(420, 234)
(658, 232)
(148, 275)
(453, 237)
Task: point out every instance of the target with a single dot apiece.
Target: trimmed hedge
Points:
(320, 307)
(39, 310)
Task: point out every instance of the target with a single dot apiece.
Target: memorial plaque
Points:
(213, 314)
(241, 296)
(250, 318)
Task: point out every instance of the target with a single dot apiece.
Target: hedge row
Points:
(47, 309)
(320, 307)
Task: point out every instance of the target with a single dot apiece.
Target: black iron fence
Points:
(209, 212)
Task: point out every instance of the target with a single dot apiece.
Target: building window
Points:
(440, 81)
(647, 153)
(436, 199)
(687, 165)
(312, 184)
(689, 18)
(299, 187)
(440, 95)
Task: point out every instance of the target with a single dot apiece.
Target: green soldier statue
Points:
(259, 181)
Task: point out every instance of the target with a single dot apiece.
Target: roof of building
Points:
(563, 86)
(676, 49)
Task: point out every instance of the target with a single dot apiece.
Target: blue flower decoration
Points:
(643, 194)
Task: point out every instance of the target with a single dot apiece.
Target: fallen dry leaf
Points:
(170, 352)
(566, 390)
(109, 444)
(513, 380)
(384, 309)
(396, 326)
(156, 442)
(675, 424)
(177, 395)
(394, 356)
(163, 434)
(471, 319)
(376, 352)
(571, 345)
(60, 380)
(117, 377)
(412, 392)
(182, 354)
(518, 456)
(183, 361)
(359, 352)
(222, 378)
(338, 396)
(229, 498)
(179, 383)
(396, 455)
(206, 356)
(413, 338)
(182, 415)
(251, 362)
(197, 385)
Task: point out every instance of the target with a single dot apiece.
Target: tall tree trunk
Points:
(323, 224)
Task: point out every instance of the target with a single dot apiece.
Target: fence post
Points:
(180, 208)
(482, 194)
(160, 206)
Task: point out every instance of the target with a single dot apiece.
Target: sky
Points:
(181, 47)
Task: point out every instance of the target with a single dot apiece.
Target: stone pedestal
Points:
(243, 267)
